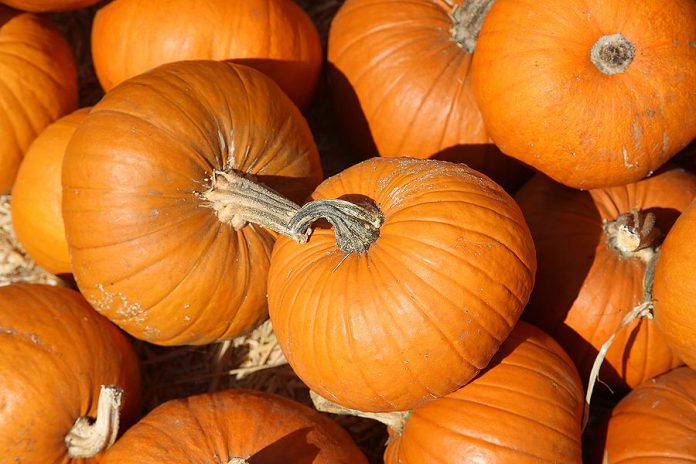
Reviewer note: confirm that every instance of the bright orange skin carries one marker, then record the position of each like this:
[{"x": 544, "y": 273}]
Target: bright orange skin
[
  {"x": 584, "y": 288},
  {"x": 402, "y": 85},
  {"x": 37, "y": 196},
  {"x": 55, "y": 354},
  {"x": 276, "y": 37},
  {"x": 38, "y": 84},
  {"x": 216, "y": 427},
  {"x": 545, "y": 103},
  {"x": 425, "y": 308},
  {"x": 675, "y": 287},
  {"x": 526, "y": 407},
  {"x": 655, "y": 423},
  {"x": 48, "y": 5},
  {"x": 146, "y": 252}
]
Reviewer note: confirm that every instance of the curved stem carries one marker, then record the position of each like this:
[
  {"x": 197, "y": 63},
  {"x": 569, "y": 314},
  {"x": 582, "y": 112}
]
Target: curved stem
[
  {"x": 612, "y": 54},
  {"x": 633, "y": 235},
  {"x": 88, "y": 437},
  {"x": 468, "y": 20}
]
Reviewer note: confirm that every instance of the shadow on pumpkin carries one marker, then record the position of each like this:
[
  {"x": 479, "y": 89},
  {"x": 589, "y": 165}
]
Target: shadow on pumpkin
[
  {"x": 293, "y": 448},
  {"x": 7, "y": 14},
  {"x": 296, "y": 189}
]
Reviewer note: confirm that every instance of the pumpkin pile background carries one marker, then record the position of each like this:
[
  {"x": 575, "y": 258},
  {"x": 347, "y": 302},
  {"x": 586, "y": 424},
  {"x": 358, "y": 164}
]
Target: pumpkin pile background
[{"x": 255, "y": 360}]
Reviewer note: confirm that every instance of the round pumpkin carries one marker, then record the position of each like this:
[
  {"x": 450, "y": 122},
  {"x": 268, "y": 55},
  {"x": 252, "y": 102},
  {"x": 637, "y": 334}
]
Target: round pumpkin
[
  {"x": 422, "y": 305},
  {"x": 38, "y": 84},
  {"x": 55, "y": 355},
  {"x": 526, "y": 407},
  {"x": 37, "y": 193},
  {"x": 586, "y": 283},
  {"x": 592, "y": 93},
  {"x": 276, "y": 37},
  {"x": 48, "y": 5},
  {"x": 400, "y": 75},
  {"x": 235, "y": 427},
  {"x": 675, "y": 287},
  {"x": 655, "y": 422},
  {"x": 149, "y": 249}
]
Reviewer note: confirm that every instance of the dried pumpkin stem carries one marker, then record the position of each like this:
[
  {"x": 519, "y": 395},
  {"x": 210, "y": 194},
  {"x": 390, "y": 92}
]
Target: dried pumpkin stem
[
  {"x": 238, "y": 461},
  {"x": 88, "y": 437},
  {"x": 633, "y": 235},
  {"x": 612, "y": 54},
  {"x": 468, "y": 20}
]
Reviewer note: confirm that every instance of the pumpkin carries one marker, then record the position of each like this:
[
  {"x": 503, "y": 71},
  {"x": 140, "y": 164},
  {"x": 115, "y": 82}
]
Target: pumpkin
[
  {"x": 48, "y": 5},
  {"x": 675, "y": 287},
  {"x": 591, "y": 93},
  {"x": 588, "y": 279},
  {"x": 655, "y": 422},
  {"x": 274, "y": 36},
  {"x": 413, "y": 60},
  {"x": 56, "y": 353},
  {"x": 424, "y": 274},
  {"x": 524, "y": 408},
  {"x": 37, "y": 193},
  {"x": 38, "y": 84},
  {"x": 235, "y": 427},
  {"x": 150, "y": 250}
]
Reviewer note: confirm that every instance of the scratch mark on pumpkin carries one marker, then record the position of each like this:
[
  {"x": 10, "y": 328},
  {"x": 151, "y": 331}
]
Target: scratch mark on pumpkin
[
  {"x": 636, "y": 134},
  {"x": 665, "y": 144},
  {"x": 625, "y": 159}
]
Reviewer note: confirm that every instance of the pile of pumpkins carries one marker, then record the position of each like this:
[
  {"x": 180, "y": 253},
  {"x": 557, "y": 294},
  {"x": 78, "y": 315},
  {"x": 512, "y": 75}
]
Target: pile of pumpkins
[{"x": 188, "y": 204}]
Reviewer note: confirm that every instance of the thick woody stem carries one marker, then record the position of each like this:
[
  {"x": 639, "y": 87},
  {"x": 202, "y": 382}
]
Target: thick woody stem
[
  {"x": 88, "y": 437},
  {"x": 468, "y": 19},
  {"x": 633, "y": 235},
  {"x": 612, "y": 54}
]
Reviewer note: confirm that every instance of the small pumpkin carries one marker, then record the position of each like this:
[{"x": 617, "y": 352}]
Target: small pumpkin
[
  {"x": 525, "y": 407},
  {"x": 276, "y": 37},
  {"x": 38, "y": 84},
  {"x": 235, "y": 427},
  {"x": 588, "y": 278},
  {"x": 424, "y": 274},
  {"x": 150, "y": 249},
  {"x": 56, "y": 353},
  {"x": 655, "y": 422},
  {"x": 48, "y": 5},
  {"x": 675, "y": 287},
  {"x": 591, "y": 93},
  {"x": 37, "y": 194}
]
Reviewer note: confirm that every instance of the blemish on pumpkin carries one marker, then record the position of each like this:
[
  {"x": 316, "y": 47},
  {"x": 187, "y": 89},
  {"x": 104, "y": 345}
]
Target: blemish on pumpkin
[
  {"x": 118, "y": 302},
  {"x": 665, "y": 143},
  {"x": 636, "y": 133},
  {"x": 625, "y": 159},
  {"x": 154, "y": 212},
  {"x": 693, "y": 43}
]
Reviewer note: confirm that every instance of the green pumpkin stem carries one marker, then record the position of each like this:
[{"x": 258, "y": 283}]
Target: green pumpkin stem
[{"x": 88, "y": 437}]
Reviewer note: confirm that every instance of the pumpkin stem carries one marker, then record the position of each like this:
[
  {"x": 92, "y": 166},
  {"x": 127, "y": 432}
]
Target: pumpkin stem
[
  {"x": 468, "y": 19},
  {"x": 394, "y": 420},
  {"x": 612, "y": 54},
  {"x": 633, "y": 235},
  {"x": 88, "y": 437},
  {"x": 238, "y": 461}
]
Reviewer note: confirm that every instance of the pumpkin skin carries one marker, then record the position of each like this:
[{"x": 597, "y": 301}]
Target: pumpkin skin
[
  {"x": 145, "y": 251},
  {"x": 220, "y": 426},
  {"x": 425, "y": 308},
  {"x": 36, "y": 197},
  {"x": 48, "y": 5},
  {"x": 389, "y": 57},
  {"x": 276, "y": 37},
  {"x": 675, "y": 288},
  {"x": 55, "y": 353},
  {"x": 526, "y": 407},
  {"x": 38, "y": 84},
  {"x": 532, "y": 71},
  {"x": 584, "y": 287},
  {"x": 655, "y": 422}
]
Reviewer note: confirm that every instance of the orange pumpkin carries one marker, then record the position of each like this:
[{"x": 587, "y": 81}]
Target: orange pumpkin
[
  {"x": 525, "y": 407},
  {"x": 593, "y": 93},
  {"x": 36, "y": 196},
  {"x": 655, "y": 422},
  {"x": 146, "y": 251},
  {"x": 587, "y": 281},
  {"x": 413, "y": 302},
  {"x": 274, "y": 36},
  {"x": 55, "y": 354},
  {"x": 675, "y": 287},
  {"x": 235, "y": 427},
  {"x": 38, "y": 84},
  {"x": 400, "y": 75},
  {"x": 48, "y": 5}
]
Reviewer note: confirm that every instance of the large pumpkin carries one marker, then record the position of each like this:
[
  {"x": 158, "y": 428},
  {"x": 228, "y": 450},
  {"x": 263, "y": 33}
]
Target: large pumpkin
[
  {"x": 48, "y": 5},
  {"x": 55, "y": 355},
  {"x": 411, "y": 304},
  {"x": 274, "y": 36},
  {"x": 235, "y": 427},
  {"x": 675, "y": 287},
  {"x": 593, "y": 93},
  {"x": 400, "y": 75},
  {"x": 36, "y": 197},
  {"x": 526, "y": 407},
  {"x": 38, "y": 84},
  {"x": 655, "y": 423},
  {"x": 150, "y": 250},
  {"x": 587, "y": 281}
]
